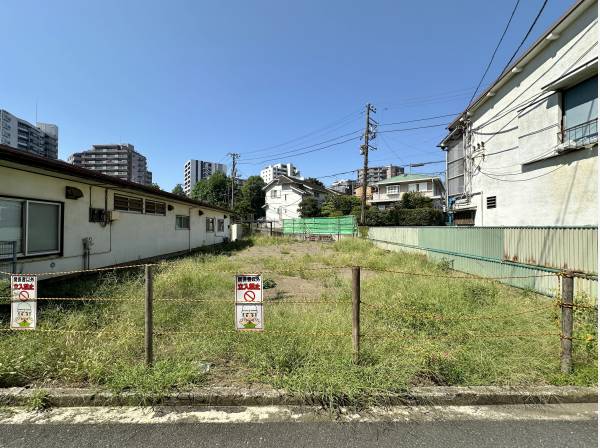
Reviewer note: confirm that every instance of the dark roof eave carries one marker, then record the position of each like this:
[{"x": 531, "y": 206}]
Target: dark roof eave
[{"x": 58, "y": 166}]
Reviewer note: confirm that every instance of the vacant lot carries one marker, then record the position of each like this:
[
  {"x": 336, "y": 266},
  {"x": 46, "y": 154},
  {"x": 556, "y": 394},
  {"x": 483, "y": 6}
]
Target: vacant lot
[{"x": 418, "y": 329}]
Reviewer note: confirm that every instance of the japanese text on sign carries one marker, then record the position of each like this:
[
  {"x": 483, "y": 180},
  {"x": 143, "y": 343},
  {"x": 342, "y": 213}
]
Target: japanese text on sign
[
  {"x": 248, "y": 302},
  {"x": 23, "y": 314}
]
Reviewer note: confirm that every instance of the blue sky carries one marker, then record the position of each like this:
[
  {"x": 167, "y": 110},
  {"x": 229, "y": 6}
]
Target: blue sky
[{"x": 191, "y": 79}]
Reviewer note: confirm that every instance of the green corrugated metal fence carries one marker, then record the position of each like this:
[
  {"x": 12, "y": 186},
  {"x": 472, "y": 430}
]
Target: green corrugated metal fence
[
  {"x": 342, "y": 225},
  {"x": 504, "y": 252}
]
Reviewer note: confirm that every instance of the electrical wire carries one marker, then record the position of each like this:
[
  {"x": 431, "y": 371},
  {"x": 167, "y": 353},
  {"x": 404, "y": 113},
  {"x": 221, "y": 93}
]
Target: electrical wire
[
  {"x": 494, "y": 53},
  {"x": 412, "y": 129},
  {"x": 419, "y": 119},
  {"x": 526, "y": 35},
  {"x": 521, "y": 180}
]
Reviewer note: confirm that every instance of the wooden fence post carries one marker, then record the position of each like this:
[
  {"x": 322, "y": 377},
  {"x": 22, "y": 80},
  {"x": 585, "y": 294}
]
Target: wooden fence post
[
  {"x": 566, "y": 338},
  {"x": 356, "y": 313},
  {"x": 148, "y": 318}
]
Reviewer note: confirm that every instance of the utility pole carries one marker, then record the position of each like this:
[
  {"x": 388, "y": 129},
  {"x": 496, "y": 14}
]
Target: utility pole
[
  {"x": 234, "y": 157},
  {"x": 364, "y": 150}
]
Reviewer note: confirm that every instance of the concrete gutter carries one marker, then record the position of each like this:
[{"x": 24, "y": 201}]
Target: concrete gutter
[{"x": 261, "y": 396}]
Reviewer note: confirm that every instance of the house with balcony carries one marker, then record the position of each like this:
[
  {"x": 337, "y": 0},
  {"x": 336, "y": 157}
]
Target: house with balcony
[
  {"x": 524, "y": 153},
  {"x": 389, "y": 191}
]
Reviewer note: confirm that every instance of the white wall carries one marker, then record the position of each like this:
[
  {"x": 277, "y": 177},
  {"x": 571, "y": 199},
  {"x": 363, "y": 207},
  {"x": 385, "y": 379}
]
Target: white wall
[
  {"x": 288, "y": 201},
  {"x": 132, "y": 237},
  {"x": 521, "y": 124}
]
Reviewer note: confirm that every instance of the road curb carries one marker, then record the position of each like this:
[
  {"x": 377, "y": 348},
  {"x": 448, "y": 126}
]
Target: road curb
[{"x": 234, "y": 396}]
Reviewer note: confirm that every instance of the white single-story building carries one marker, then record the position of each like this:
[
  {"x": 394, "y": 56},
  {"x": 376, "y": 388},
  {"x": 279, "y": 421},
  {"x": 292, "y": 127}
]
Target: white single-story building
[
  {"x": 390, "y": 191},
  {"x": 525, "y": 152},
  {"x": 64, "y": 218},
  {"x": 284, "y": 194}
]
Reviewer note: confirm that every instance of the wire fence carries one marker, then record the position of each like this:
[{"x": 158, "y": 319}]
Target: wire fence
[{"x": 563, "y": 308}]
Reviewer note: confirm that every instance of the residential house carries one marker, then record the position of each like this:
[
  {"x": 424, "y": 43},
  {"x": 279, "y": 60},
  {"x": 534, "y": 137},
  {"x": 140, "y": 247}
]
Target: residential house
[
  {"x": 284, "y": 194},
  {"x": 388, "y": 192},
  {"x": 524, "y": 153},
  {"x": 62, "y": 217}
]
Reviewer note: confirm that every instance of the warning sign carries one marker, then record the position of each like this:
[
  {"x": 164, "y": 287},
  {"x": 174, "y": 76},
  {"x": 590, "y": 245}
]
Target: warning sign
[
  {"x": 248, "y": 302},
  {"x": 248, "y": 288},
  {"x": 23, "y": 306}
]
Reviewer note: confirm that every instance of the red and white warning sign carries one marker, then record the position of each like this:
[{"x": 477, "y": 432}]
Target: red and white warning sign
[
  {"x": 248, "y": 302},
  {"x": 23, "y": 306}
]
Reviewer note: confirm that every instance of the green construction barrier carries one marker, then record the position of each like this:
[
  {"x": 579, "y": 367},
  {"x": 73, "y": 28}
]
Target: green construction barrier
[{"x": 342, "y": 225}]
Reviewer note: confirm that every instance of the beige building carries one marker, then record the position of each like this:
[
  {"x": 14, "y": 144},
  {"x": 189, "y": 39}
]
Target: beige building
[
  {"x": 387, "y": 192},
  {"x": 63, "y": 217}
]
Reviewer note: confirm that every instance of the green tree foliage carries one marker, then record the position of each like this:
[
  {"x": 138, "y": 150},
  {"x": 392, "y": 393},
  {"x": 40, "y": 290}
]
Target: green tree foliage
[
  {"x": 314, "y": 181},
  {"x": 178, "y": 190},
  {"x": 251, "y": 198},
  {"x": 309, "y": 207},
  {"x": 414, "y": 199},
  {"x": 339, "y": 205},
  {"x": 213, "y": 190},
  {"x": 155, "y": 185}
]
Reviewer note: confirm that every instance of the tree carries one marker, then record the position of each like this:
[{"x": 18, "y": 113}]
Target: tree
[
  {"x": 213, "y": 190},
  {"x": 251, "y": 198},
  {"x": 339, "y": 205},
  {"x": 309, "y": 207},
  {"x": 155, "y": 185},
  {"x": 314, "y": 181},
  {"x": 414, "y": 199},
  {"x": 178, "y": 190}
]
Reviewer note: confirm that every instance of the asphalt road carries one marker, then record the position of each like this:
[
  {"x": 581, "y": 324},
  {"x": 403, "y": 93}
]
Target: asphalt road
[{"x": 282, "y": 435}]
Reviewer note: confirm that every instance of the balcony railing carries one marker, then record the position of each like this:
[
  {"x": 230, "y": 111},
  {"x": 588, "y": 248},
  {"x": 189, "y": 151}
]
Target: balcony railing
[{"x": 580, "y": 135}]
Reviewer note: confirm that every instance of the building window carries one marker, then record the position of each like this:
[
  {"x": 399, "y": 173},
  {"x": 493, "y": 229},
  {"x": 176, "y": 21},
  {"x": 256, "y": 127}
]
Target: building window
[
  {"x": 580, "y": 113},
  {"x": 275, "y": 194},
  {"x": 220, "y": 225},
  {"x": 491, "y": 201},
  {"x": 155, "y": 208},
  {"x": 392, "y": 189},
  {"x": 210, "y": 224},
  {"x": 413, "y": 187},
  {"x": 129, "y": 204},
  {"x": 182, "y": 222},
  {"x": 36, "y": 226}
]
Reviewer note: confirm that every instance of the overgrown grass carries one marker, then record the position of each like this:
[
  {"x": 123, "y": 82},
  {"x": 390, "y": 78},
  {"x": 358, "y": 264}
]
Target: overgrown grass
[{"x": 417, "y": 330}]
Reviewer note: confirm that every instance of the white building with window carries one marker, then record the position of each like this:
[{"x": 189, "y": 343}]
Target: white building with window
[
  {"x": 63, "y": 217},
  {"x": 196, "y": 170},
  {"x": 387, "y": 192},
  {"x": 284, "y": 194},
  {"x": 525, "y": 152},
  {"x": 272, "y": 172}
]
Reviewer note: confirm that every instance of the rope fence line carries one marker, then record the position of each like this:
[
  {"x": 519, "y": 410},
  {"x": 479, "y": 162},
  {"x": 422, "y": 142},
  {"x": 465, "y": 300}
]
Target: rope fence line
[
  {"x": 283, "y": 271},
  {"x": 460, "y": 318}
]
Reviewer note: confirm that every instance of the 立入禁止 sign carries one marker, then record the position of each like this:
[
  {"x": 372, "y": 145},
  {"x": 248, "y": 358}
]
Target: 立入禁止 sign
[
  {"x": 23, "y": 302},
  {"x": 248, "y": 302}
]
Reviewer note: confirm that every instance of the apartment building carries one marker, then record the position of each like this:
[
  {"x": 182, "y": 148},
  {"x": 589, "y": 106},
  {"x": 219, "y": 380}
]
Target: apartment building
[
  {"x": 272, "y": 172},
  {"x": 118, "y": 160},
  {"x": 525, "y": 151},
  {"x": 196, "y": 170},
  {"x": 41, "y": 140},
  {"x": 344, "y": 186},
  {"x": 390, "y": 191},
  {"x": 379, "y": 173}
]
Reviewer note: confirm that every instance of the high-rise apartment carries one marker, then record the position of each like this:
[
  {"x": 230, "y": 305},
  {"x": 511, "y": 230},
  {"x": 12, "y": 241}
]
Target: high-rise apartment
[
  {"x": 119, "y": 160},
  {"x": 41, "y": 140},
  {"x": 196, "y": 170},
  {"x": 272, "y": 172},
  {"x": 379, "y": 173}
]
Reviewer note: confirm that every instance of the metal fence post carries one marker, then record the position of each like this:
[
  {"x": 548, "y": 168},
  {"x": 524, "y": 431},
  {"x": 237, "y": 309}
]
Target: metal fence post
[
  {"x": 356, "y": 313},
  {"x": 148, "y": 317},
  {"x": 14, "y": 257},
  {"x": 566, "y": 337}
]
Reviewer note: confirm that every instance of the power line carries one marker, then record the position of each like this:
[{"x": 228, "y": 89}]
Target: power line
[
  {"x": 494, "y": 53},
  {"x": 522, "y": 180},
  {"x": 291, "y": 151},
  {"x": 413, "y": 128},
  {"x": 302, "y": 153},
  {"x": 344, "y": 120},
  {"x": 419, "y": 119},
  {"x": 526, "y": 35}
]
